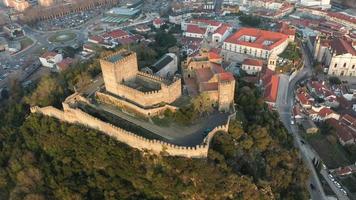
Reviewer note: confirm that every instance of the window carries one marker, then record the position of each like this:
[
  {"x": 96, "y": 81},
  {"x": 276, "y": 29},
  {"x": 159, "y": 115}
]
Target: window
[
  {"x": 344, "y": 64},
  {"x": 335, "y": 65},
  {"x": 353, "y": 66}
]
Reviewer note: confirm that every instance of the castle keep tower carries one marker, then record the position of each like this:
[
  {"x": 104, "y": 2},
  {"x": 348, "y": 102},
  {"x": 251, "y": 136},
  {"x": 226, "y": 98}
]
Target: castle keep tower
[
  {"x": 226, "y": 88},
  {"x": 118, "y": 68}
]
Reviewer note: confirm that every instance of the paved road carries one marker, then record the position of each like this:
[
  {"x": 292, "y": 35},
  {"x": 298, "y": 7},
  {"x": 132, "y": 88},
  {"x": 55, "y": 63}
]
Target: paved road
[
  {"x": 174, "y": 133},
  {"x": 284, "y": 106}
]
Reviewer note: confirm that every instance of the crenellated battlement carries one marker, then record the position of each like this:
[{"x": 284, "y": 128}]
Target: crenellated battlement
[
  {"x": 155, "y": 146},
  {"x": 121, "y": 56},
  {"x": 152, "y": 77}
]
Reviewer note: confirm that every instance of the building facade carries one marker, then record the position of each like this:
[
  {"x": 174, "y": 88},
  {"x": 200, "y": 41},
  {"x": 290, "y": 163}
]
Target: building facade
[{"x": 256, "y": 43}]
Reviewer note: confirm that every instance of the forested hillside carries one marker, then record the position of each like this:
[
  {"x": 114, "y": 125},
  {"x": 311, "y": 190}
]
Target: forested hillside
[{"x": 42, "y": 158}]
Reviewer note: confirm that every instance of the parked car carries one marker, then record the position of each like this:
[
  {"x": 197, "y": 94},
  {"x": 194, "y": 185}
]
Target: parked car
[
  {"x": 343, "y": 191},
  {"x": 312, "y": 186},
  {"x": 337, "y": 184}
]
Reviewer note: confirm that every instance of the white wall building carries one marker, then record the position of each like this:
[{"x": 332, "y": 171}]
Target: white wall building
[
  {"x": 51, "y": 59},
  {"x": 165, "y": 67},
  {"x": 252, "y": 66},
  {"x": 256, "y": 43},
  {"x": 337, "y": 55},
  {"x": 316, "y": 3}
]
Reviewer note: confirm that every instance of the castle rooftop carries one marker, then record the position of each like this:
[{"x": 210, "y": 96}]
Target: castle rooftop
[{"x": 113, "y": 58}]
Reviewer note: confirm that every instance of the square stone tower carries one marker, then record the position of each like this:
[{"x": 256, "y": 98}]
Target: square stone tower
[
  {"x": 226, "y": 91},
  {"x": 118, "y": 68}
]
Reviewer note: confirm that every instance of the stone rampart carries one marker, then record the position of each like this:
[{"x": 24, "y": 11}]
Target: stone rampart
[
  {"x": 77, "y": 116},
  {"x": 125, "y": 105},
  {"x": 167, "y": 94}
]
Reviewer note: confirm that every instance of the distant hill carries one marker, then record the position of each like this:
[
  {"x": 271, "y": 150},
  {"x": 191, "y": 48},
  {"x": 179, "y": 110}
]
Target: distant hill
[{"x": 348, "y": 3}]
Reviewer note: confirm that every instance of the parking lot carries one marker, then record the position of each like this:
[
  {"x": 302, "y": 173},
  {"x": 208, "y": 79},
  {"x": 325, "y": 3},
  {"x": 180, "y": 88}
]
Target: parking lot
[{"x": 68, "y": 21}]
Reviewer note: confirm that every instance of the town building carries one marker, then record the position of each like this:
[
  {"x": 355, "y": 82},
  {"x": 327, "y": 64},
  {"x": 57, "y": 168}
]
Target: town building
[
  {"x": 256, "y": 42},
  {"x": 13, "y": 30},
  {"x": 309, "y": 126},
  {"x": 252, "y": 66},
  {"x": 158, "y": 23},
  {"x": 203, "y": 74},
  {"x": 221, "y": 33},
  {"x": 50, "y": 59},
  {"x": 324, "y": 4},
  {"x": 270, "y": 85},
  {"x": 338, "y": 56},
  {"x": 345, "y": 129},
  {"x": 165, "y": 67}
]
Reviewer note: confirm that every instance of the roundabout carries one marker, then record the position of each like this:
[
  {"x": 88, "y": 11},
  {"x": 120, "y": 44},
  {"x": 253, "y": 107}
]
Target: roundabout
[{"x": 62, "y": 37}]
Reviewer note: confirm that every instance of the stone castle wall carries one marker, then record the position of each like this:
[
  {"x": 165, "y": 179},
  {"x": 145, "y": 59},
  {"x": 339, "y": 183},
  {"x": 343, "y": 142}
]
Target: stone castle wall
[
  {"x": 167, "y": 94},
  {"x": 127, "y": 106},
  {"x": 71, "y": 115}
]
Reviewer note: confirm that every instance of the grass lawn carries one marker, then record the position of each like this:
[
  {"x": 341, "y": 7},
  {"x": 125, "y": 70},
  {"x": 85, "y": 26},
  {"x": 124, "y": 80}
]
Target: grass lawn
[
  {"x": 62, "y": 37},
  {"x": 25, "y": 42},
  {"x": 332, "y": 155}
]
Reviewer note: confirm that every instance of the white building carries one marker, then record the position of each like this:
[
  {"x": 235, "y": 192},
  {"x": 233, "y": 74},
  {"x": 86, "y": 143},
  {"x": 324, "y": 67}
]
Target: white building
[
  {"x": 337, "y": 55},
  {"x": 252, "y": 66},
  {"x": 256, "y": 43},
  {"x": 222, "y": 33},
  {"x": 234, "y": 2},
  {"x": 316, "y": 3},
  {"x": 195, "y": 31},
  {"x": 165, "y": 67},
  {"x": 51, "y": 59}
]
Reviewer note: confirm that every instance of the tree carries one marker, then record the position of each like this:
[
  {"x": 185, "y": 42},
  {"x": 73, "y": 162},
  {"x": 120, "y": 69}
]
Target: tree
[
  {"x": 202, "y": 104},
  {"x": 249, "y": 20},
  {"x": 48, "y": 92},
  {"x": 334, "y": 80}
]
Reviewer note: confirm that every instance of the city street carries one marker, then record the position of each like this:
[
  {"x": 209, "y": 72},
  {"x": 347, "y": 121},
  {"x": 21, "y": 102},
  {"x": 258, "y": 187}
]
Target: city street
[{"x": 284, "y": 106}]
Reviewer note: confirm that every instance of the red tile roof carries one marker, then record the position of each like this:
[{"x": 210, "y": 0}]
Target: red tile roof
[
  {"x": 96, "y": 38},
  {"x": 195, "y": 29},
  {"x": 206, "y": 21},
  {"x": 226, "y": 76},
  {"x": 342, "y": 17},
  {"x": 252, "y": 62},
  {"x": 214, "y": 54},
  {"x": 349, "y": 120},
  {"x": 271, "y": 90},
  {"x": 343, "y": 132},
  {"x": 65, "y": 63},
  {"x": 222, "y": 29},
  {"x": 116, "y": 34},
  {"x": 261, "y": 36},
  {"x": 158, "y": 21},
  {"x": 324, "y": 112},
  {"x": 304, "y": 98},
  {"x": 49, "y": 54},
  {"x": 342, "y": 47}
]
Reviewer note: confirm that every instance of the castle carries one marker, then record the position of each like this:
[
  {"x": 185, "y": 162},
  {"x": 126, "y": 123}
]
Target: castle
[
  {"x": 203, "y": 74},
  {"x": 142, "y": 92},
  {"x": 131, "y": 90}
]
